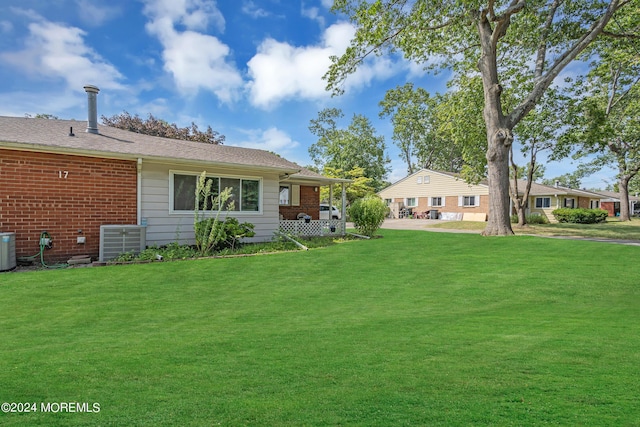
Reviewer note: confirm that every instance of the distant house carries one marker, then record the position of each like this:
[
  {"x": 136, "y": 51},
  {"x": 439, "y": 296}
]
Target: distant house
[
  {"x": 611, "y": 203},
  {"x": 69, "y": 178},
  {"x": 427, "y": 193},
  {"x": 544, "y": 199}
]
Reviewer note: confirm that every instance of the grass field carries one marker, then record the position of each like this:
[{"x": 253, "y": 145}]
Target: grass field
[
  {"x": 611, "y": 229},
  {"x": 414, "y": 328}
]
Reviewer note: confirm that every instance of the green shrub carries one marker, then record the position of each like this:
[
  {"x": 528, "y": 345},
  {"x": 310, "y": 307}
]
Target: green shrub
[
  {"x": 531, "y": 219},
  {"x": 580, "y": 216},
  {"x": 368, "y": 214},
  {"x": 227, "y": 233},
  {"x": 207, "y": 237}
]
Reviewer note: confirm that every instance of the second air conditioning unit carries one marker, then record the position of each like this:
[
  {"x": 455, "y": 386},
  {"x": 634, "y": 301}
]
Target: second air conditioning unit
[{"x": 118, "y": 239}]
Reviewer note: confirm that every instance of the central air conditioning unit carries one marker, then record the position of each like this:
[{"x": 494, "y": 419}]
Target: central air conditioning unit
[
  {"x": 118, "y": 239},
  {"x": 7, "y": 251}
]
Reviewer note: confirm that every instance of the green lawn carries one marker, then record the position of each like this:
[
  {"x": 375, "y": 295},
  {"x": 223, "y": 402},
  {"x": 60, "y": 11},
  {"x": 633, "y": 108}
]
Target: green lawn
[
  {"x": 611, "y": 229},
  {"x": 415, "y": 328}
]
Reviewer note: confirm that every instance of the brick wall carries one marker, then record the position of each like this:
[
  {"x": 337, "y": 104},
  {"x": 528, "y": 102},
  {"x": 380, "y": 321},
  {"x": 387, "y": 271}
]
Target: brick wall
[
  {"x": 609, "y": 207},
  {"x": 62, "y": 194},
  {"x": 451, "y": 205},
  {"x": 583, "y": 202},
  {"x": 309, "y": 204}
]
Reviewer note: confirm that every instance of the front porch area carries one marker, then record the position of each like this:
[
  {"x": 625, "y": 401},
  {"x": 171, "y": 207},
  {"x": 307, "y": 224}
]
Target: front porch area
[{"x": 300, "y": 205}]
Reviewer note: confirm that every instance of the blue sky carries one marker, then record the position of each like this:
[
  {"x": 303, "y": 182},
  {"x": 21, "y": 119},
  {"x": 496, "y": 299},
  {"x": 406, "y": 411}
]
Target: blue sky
[{"x": 251, "y": 69}]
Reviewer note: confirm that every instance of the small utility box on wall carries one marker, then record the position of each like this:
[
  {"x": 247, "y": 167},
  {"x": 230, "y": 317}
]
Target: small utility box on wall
[
  {"x": 118, "y": 239},
  {"x": 7, "y": 251}
]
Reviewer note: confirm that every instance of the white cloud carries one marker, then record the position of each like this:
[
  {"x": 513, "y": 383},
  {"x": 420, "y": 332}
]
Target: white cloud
[
  {"x": 191, "y": 14},
  {"x": 198, "y": 61},
  {"x": 55, "y": 51},
  {"x": 280, "y": 71},
  {"x": 94, "y": 15},
  {"x": 272, "y": 139},
  {"x": 194, "y": 59},
  {"x": 251, "y": 9},
  {"x": 313, "y": 13}
]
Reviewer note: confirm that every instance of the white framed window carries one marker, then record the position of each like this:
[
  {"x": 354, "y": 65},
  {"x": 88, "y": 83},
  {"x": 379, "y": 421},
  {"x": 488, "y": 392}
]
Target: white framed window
[
  {"x": 411, "y": 202},
  {"x": 569, "y": 202},
  {"x": 435, "y": 201},
  {"x": 469, "y": 201},
  {"x": 419, "y": 180},
  {"x": 426, "y": 179},
  {"x": 284, "y": 195},
  {"x": 595, "y": 204},
  {"x": 543, "y": 202},
  {"x": 388, "y": 202},
  {"x": 246, "y": 193}
]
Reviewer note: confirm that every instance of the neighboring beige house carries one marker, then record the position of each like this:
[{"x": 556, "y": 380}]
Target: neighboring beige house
[
  {"x": 423, "y": 193},
  {"x": 420, "y": 194}
]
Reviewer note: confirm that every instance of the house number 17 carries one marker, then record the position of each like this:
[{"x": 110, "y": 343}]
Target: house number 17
[{"x": 63, "y": 174}]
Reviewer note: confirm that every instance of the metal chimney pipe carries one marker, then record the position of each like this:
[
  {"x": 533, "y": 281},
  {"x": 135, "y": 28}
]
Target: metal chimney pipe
[{"x": 92, "y": 92}]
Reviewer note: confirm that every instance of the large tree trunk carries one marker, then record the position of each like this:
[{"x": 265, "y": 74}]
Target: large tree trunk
[
  {"x": 623, "y": 187},
  {"x": 499, "y": 140}
]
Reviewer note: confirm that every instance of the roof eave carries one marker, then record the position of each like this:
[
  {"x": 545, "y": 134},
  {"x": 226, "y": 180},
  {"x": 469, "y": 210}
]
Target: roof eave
[{"x": 39, "y": 148}]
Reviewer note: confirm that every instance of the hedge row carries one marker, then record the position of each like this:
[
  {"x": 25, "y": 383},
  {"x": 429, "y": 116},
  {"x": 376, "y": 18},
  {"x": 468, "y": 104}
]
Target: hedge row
[{"x": 580, "y": 216}]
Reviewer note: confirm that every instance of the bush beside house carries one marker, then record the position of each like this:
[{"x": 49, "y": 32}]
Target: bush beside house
[
  {"x": 368, "y": 214},
  {"x": 580, "y": 216}
]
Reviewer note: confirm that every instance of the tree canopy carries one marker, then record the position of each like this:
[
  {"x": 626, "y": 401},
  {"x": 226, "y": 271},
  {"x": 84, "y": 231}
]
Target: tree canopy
[
  {"x": 158, "y": 127},
  {"x": 346, "y": 149},
  {"x": 605, "y": 106},
  {"x": 416, "y": 130}
]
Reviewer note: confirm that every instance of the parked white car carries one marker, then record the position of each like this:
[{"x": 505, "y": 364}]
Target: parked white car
[{"x": 324, "y": 212}]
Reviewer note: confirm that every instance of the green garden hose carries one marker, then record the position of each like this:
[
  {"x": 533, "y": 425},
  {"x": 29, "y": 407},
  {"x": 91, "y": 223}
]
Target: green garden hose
[{"x": 44, "y": 235}]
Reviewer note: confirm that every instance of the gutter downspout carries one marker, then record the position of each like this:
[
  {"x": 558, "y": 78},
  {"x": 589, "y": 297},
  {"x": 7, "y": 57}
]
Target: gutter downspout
[
  {"x": 139, "y": 192},
  {"x": 344, "y": 209}
]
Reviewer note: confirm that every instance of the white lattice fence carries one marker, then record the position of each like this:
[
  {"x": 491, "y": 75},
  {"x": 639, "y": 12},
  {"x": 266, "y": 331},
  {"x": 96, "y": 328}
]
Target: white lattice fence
[{"x": 312, "y": 228}]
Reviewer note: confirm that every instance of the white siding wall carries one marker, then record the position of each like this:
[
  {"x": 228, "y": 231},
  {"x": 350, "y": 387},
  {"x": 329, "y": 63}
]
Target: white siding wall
[
  {"x": 555, "y": 203},
  {"x": 438, "y": 185},
  {"x": 165, "y": 227}
]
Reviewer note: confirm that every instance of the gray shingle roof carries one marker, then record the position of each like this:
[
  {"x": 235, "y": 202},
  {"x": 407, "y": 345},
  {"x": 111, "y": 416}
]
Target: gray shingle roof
[
  {"x": 53, "y": 136},
  {"x": 548, "y": 190},
  {"x": 309, "y": 175},
  {"x": 616, "y": 196}
]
